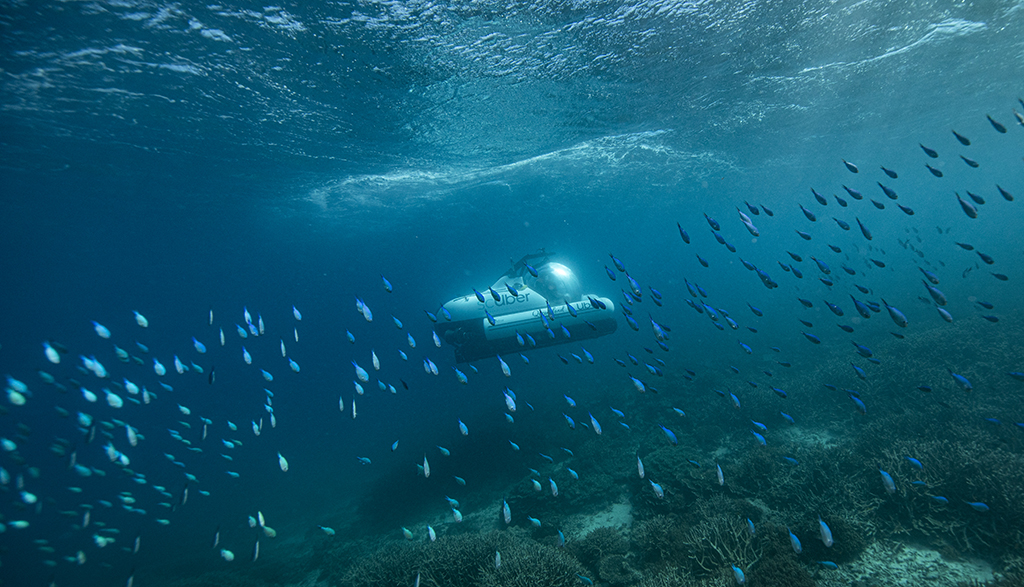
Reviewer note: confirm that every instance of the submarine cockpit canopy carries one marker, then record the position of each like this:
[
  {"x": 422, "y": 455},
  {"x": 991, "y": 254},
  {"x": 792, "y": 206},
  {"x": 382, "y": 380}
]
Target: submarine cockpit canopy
[{"x": 555, "y": 282}]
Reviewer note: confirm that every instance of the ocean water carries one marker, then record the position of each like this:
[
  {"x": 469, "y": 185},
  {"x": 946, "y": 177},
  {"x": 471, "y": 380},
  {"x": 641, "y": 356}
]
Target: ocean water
[{"x": 191, "y": 162}]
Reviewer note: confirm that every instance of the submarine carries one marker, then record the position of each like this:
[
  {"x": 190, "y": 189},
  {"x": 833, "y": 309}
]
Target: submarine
[{"x": 526, "y": 308}]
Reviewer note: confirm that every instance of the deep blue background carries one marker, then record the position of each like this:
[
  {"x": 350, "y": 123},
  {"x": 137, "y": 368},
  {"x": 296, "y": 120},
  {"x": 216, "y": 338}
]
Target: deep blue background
[{"x": 173, "y": 159}]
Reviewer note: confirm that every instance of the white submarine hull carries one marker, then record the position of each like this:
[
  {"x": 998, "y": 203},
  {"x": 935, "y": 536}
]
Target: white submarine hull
[{"x": 474, "y": 337}]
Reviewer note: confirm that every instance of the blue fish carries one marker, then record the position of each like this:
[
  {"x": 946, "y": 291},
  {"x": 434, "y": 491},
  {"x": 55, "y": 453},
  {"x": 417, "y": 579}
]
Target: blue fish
[
  {"x": 863, "y": 409},
  {"x": 634, "y": 287},
  {"x": 683, "y": 234},
  {"x": 811, "y": 338},
  {"x": 618, "y": 264},
  {"x": 940, "y": 499},
  {"x": 794, "y": 542},
  {"x": 671, "y": 435},
  {"x": 835, "y": 309},
  {"x": 760, "y": 439},
  {"x": 887, "y": 482},
  {"x": 962, "y": 381},
  {"x": 977, "y": 506},
  {"x": 916, "y": 463},
  {"x": 714, "y": 223},
  {"x": 611, "y": 274},
  {"x": 829, "y": 565},
  {"x": 750, "y": 527},
  {"x": 826, "y": 533},
  {"x": 842, "y": 224},
  {"x": 822, "y": 265},
  {"x": 896, "y": 315},
  {"x": 737, "y": 574},
  {"x": 632, "y": 323},
  {"x": 787, "y": 417},
  {"x": 862, "y": 350}
]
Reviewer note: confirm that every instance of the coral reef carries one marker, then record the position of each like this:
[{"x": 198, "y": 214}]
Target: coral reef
[
  {"x": 467, "y": 560},
  {"x": 714, "y": 538},
  {"x": 599, "y": 543}
]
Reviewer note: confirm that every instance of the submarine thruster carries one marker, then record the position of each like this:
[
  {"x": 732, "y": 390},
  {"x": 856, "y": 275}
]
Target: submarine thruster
[{"x": 527, "y": 303}]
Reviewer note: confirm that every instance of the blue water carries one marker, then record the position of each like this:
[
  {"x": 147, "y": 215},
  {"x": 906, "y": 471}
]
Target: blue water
[{"x": 180, "y": 159}]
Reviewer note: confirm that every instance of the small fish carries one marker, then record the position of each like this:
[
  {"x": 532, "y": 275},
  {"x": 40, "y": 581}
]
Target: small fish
[
  {"x": 853, "y": 168},
  {"x": 887, "y": 482},
  {"x": 826, "y": 532},
  {"x": 961, "y": 381},
  {"x": 569, "y": 421},
  {"x": 864, "y": 229},
  {"x": 658, "y": 491},
  {"x": 683, "y": 234},
  {"x": 967, "y": 207},
  {"x": 896, "y": 315},
  {"x": 670, "y": 435},
  {"x": 977, "y": 506},
  {"x": 738, "y": 575},
  {"x": 829, "y": 565},
  {"x": 1006, "y": 195},
  {"x": 794, "y": 541}
]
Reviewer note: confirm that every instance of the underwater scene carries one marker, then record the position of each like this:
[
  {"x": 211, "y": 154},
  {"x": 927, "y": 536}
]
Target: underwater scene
[{"x": 649, "y": 293}]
